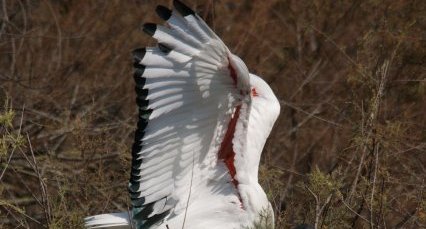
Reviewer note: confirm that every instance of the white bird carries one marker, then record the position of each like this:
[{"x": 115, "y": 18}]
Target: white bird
[{"x": 203, "y": 122}]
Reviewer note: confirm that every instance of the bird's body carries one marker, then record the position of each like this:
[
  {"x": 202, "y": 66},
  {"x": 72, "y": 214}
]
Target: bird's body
[{"x": 204, "y": 120}]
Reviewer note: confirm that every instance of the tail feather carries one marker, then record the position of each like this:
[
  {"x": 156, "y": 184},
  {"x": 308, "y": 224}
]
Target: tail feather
[{"x": 119, "y": 220}]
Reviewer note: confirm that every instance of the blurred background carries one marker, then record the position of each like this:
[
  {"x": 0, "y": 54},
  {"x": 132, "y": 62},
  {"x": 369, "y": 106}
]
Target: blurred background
[{"x": 348, "y": 150}]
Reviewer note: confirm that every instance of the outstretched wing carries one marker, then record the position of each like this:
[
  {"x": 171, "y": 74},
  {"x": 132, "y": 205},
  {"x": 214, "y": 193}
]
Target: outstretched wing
[{"x": 191, "y": 90}]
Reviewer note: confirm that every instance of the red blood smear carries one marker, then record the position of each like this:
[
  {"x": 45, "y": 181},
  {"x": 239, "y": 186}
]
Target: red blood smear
[
  {"x": 226, "y": 152},
  {"x": 254, "y": 92}
]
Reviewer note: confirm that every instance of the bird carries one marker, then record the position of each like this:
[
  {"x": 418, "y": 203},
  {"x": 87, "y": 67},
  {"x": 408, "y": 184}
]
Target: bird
[{"x": 203, "y": 122}]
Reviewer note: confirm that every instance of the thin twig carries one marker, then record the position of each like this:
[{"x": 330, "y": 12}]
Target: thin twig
[
  {"x": 353, "y": 211},
  {"x": 310, "y": 113},
  {"x": 59, "y": 31},
  {"x": 7, "y": 163},
  {"x": 43, "y": 186},
  {"x": 318, "y": 208}
]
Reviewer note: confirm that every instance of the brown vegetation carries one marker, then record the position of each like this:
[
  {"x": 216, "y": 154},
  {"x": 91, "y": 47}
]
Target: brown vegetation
[{"x": 348, "y": 150}]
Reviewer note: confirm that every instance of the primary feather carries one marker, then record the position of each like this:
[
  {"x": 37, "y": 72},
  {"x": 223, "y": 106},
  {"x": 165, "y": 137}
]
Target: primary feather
[{"x": 203, "y": 122}]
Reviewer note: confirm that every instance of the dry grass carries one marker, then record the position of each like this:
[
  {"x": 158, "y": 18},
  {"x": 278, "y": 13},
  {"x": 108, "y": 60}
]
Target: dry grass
[{"x": 348, "y": 150}]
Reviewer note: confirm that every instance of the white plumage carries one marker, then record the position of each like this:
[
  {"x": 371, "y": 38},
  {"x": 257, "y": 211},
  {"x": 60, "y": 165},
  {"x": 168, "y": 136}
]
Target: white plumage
[{"x": 203, "y": 122}]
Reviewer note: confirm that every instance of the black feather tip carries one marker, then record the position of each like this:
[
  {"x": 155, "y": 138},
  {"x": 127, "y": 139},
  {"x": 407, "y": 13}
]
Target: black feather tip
[
  {"x": 140, "y": 81},
  {"x": 138, "y": 54},
  {"x": 163, "y": 12},
  {"x": 139, "y": 69},
  {"x": 149, "y": 28},
  {"x": 164, "y": 48},
  {"x": 182, "y": 8}
]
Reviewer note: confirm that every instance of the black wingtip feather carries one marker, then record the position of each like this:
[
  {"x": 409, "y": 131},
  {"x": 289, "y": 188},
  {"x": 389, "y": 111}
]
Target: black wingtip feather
[
  {"x": 138, "y": 72},
  {"x": 149, "y": 28},
  {"x": 141, "y": 92},
  {"x": 163, "y": 12},
  {"x": 140, "y": 81},
  {"x": 137, "y": 65},
  {"x": 155, "y": 219},
  {"x": 137, "y": 202},
  {"x": 133, "y": 194},
  {"x": 136, "y": 164},
  {"x": 138, "y": 54},
  {"x": 142, "y": 124},
  {"x": 135, "y": 175},
  {"x": 145, "y": 113},
  {"x": 139, "y": 135},
  {"x": 144, "y": 213},
  {"x": 142, "y": 102},
  {"x": 136, "y": 148},
  {"x": 182, "y": 8},
  {"x": 164, "y": 48},
  {"x": 134, "y": 187}
]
